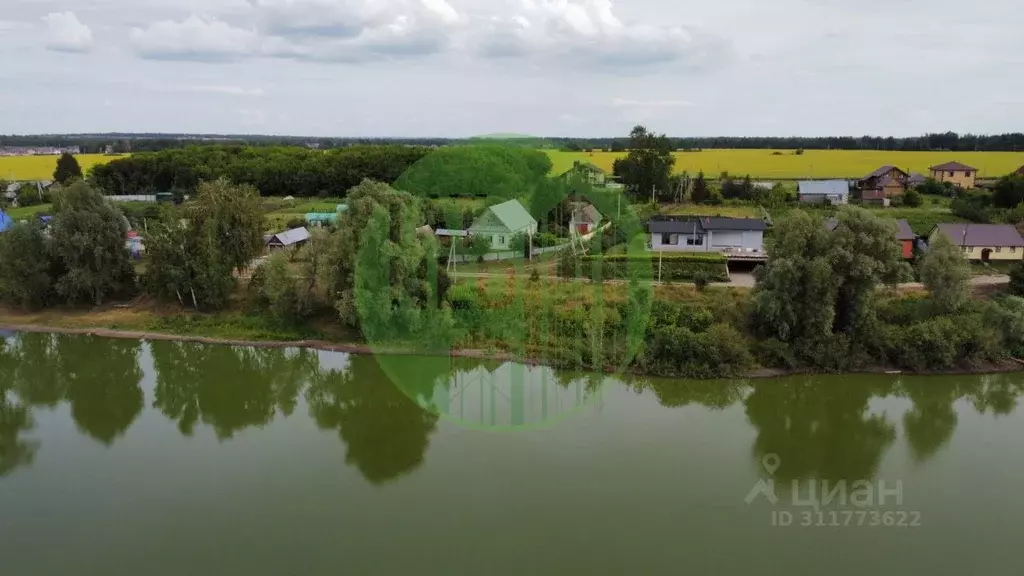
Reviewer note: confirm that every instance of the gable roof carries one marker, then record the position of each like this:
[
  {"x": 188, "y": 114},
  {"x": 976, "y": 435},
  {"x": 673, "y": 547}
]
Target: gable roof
[
  {"x": 917, "y": 178},
  {"x": 888, "y": 180},
  {"x": 585, "y": 212},
  {"x": 824, "y": 187},
  {"x": 953, "y": 167},
  {"x": 884, "y": 170},
  {"x": 903, "y": 231},
  {"x": 512, "y": 215},
  {"x": 982, "y": 234},
  {"x": 706, "y": 224},
  {"x": 291, "y": 237}
]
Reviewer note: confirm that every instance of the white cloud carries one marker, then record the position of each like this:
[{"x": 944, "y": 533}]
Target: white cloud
[
  {"x": 626, "y": 103},
  {"x": 65, "y": 33},
  {"x": 229, "y": 90},
  {"x": 199, "y": 38},
  {"x": 589, "y": 32}
]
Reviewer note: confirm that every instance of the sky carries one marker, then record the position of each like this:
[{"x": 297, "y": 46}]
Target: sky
[{"x": 457, "y": 68}]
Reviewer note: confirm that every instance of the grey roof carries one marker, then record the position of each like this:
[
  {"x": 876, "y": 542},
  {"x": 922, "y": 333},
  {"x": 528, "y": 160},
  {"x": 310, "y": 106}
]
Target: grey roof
[
  {"x": 675, "y": 227},
  {"x": 903, "y": 231},
  {"x": 447, "y": 232},
  {"x": 291, "y": 237},
  {"x": 824, "y": 187},
  {"x": 917, "y": 178},
  {"x": 954, "y": 167},
  {"x": 584, "y": 212},
  {"x": 982, "y": 234},
  {"x": 699, "y": 226}
]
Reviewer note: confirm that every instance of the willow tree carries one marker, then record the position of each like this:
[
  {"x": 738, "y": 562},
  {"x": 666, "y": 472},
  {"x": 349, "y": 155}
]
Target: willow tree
[
  {"x": 88, "y": 239},
  {"x": 819, "y": 281}
]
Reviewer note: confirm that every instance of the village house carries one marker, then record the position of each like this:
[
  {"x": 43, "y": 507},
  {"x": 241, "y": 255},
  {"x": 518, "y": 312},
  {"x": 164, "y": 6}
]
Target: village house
[
  {"x": 821, "y": 191},
  {"x": 916, "y": 179},
  {"x": 738, "y": 235},
  {"x": 588, "y": 171},
  {"x": 882, "y": 185},
  {"x": 503, "y": 221},
  {"x": 983, "y": 242},
  {"x": 288, "y": 238},
  {"x": 904, "y": 235},
  {"x": 955, "y": 173},
  {"x": 585, "y": 218}
]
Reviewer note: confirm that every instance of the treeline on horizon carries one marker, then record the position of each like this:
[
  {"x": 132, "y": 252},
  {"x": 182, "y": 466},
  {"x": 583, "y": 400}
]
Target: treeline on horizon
[
  {"x": 481, "y": 171},
  {"x": 129, "y": 143}
]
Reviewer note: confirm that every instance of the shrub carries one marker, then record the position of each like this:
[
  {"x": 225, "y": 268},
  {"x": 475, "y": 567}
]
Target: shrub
[
  {"x": 912, "y": 198},
  {"x": 701, "y": 280},
  {"x": 674, "y": 267},
  {"x": 296, "y": 223}
]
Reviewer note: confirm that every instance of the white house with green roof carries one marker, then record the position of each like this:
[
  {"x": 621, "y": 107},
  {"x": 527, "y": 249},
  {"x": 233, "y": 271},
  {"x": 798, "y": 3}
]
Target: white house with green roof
[{"x": 503, "y": 221}]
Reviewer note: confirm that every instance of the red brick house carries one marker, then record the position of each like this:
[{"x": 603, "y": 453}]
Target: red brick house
[{"x": 883, "y": 184}]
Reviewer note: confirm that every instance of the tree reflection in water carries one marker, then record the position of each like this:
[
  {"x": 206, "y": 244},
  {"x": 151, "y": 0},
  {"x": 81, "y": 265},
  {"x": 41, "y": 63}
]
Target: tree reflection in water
[{"x": 385, "y": 432}]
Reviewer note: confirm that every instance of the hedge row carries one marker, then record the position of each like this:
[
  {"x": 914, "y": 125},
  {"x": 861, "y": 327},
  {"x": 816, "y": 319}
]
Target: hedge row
[{"x": 675, "y": 267}]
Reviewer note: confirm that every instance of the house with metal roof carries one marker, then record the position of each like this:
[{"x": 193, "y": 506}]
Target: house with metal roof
[
  {"x": 956, "y": 173},
  {"x": 293, "y": 237},
  {"x": 819, "y": 191},
  {"x": 503, "y": 221},
  {"x": 916, "y": 179},
  {"x": 732, "y": 235},
  {"x": 585, "y": 217},
  {"x": 983, "y": 242}
]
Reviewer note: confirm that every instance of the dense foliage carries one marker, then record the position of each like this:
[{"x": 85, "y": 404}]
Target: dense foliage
[
  {"x": 67, "y": 169},
  {"x": 647, "y": 167},
  {"x": 274, "y": 171},
  {"x": 483, "y": 171}
]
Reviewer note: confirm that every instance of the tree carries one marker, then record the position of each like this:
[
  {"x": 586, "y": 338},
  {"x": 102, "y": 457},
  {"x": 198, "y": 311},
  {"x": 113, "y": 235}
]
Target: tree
[
  {"x": 646, "y": 168},
  {"x": 946, "y": 274},
  {"x": 700, "y": 193},
  {"x": 816, "y": 290},
  {"x": 1017, "y": 279},
  {"x": 67, "y": 169},
  {"x": 231, "y": 215},
  {"x": 376, "y": 255},
  {"x": 88, "y": 235},
  {"x": 1008, "y": 192},
  {"x": 286, "y": 302},
  {"x": 912, "y": 198},
  {"x": 480, "y": 246},
  {"x": 26, "y": 268}
]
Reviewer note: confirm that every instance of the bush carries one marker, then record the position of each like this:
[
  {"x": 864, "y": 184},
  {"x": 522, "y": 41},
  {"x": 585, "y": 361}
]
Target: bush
[
  {"x": 1017, "y": 279},
  {"x": 674, "y": 267},
  {"x": 912, "y": 198},
  {"x": 296, "y": 223},
  {"x": 701, "y": 280}
]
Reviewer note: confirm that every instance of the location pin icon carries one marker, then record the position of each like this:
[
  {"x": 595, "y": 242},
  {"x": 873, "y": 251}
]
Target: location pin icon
[{"x": 771, "y": 463}]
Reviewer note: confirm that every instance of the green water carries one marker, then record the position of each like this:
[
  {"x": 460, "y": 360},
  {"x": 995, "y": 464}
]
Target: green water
[{"x": 122, "y": 457}]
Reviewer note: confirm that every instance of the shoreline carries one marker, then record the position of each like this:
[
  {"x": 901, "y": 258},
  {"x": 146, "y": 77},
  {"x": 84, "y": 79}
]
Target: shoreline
[{"x": 1007, "y": 366}]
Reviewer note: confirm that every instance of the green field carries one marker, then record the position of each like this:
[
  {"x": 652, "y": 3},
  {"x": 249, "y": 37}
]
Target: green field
[
  {"x": 41, "y": 167},
  {"x": 811, "y": 164}
]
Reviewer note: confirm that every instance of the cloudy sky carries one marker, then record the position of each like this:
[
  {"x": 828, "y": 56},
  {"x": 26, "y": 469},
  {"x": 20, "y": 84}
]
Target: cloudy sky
[{"x": 546, "y": 67}]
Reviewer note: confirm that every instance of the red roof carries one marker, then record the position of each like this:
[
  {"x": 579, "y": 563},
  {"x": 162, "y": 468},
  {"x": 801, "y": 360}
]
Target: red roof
[{"x": 954, "y": 167}]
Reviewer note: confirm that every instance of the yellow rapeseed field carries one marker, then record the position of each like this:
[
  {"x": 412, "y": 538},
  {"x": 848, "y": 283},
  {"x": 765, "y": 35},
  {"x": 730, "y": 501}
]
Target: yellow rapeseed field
[
  {"x": 811, "y": 164},
  {"x": 41, "y": 167}
]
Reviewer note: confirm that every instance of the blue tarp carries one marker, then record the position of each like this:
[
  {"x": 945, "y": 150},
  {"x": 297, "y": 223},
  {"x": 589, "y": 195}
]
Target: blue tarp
[{"x": 5, "y": 221}]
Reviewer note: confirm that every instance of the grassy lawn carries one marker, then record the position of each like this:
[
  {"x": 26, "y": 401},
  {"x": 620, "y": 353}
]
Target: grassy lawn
[
  {"x": 705, "y": 210},
  {"x": 992, "y": 268},
  {"x": 28, "y": 212},
  {"x": 812, "y": 164}
]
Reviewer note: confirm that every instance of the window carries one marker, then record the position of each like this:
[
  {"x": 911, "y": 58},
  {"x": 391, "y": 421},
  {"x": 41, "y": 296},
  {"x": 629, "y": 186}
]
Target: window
[
  {"x": 664, "y": 238},
  {"x": 999, "y": 249},
  {"x": 501, "y": 240},
  {"x": 1013, "y": 249},
  {"x": 950, "y": 174},
  {"x": 968, "y": 174}
]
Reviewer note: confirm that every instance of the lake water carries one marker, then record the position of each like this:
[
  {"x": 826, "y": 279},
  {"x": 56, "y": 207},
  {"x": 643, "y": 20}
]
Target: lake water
[{"x": 124, "y": 457}]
